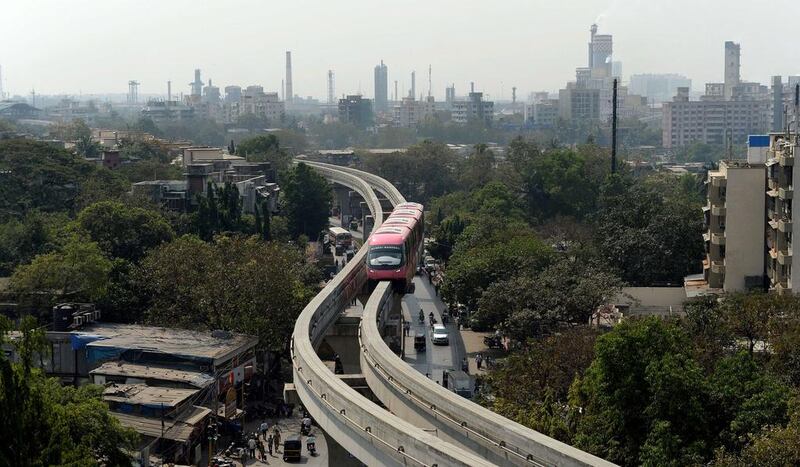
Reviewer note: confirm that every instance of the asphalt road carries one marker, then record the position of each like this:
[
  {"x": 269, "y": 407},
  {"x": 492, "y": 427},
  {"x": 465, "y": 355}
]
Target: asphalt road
[{"x": 435, "y": 358}]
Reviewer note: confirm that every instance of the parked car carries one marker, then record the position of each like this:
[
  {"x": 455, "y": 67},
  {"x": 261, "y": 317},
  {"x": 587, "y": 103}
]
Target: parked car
[{"x": 440, "y": 335}]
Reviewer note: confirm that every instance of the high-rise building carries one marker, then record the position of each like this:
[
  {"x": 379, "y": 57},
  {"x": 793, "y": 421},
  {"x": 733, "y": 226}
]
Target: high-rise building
[
  {"x": 381, "y": 88},
  {"x": 732, "y": 67},
  {"x": 600, "y": 53},
  {"x": 450, "y": 95},
  {"x": 288, "y": 93}
]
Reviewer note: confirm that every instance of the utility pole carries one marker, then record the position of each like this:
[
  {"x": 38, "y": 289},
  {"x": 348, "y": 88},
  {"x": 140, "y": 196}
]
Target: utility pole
[{"x": 614, "y": 128}]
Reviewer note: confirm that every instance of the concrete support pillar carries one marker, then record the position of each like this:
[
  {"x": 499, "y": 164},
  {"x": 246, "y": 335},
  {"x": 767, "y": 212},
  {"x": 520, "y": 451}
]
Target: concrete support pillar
[
  {"x": 343, "y": 200},
  {"x": 356, "y": 205},
  {"x": 369, "y": 223}
]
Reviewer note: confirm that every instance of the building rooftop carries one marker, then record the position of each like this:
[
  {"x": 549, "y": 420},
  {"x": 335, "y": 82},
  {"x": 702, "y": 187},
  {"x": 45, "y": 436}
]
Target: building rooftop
[
  {"x": 147, "y": 372},
  {"x": 178, "y": 430},
  {"x": 110, "y": 340},
  {"x": 147, "y": 396}
]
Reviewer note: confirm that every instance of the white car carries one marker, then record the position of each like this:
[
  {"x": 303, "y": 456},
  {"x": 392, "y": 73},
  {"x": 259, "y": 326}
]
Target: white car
[{"x": 440, "y": 335}]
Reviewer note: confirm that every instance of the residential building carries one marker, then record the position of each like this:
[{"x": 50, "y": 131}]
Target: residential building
[
  {"x": 781, "y": 179},
  {"x": 578, "y": 103},
  {"x": 473, "y": 109},
  {"x": 712, "y": 121},
  {"x": 356, "y": 110},
  {"x": 262, "y": 104},
  {"x": 734, "y": 238},
  {"x": 727, "y": 113},
  {"x": 411, "y": 112},
  {"x": 545, "y": 113},
  {"x": 161, "y": 111},
  {"x": 381, "y": 88}
]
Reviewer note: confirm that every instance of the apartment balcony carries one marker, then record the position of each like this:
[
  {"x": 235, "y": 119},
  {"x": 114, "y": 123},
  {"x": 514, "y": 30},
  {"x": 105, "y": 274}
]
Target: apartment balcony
[
  {"x": 717, "y": 238},
  {"x": 785, "y": 159},
  {"x": 719, "y": 181},
  {"x": 786, "y": 193},
  {"x": 718, "y": 267},
  {"x": 784, "y": 258},
  {"x": 785, "y": 225},
  {"x": 782, "y": 288},
  {"x": 772, "y": 184},
  {"x": 717, "y": 210}
]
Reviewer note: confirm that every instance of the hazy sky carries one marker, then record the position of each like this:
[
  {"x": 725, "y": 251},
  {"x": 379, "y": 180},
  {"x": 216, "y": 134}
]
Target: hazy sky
[{"x": 72, "y": 46}]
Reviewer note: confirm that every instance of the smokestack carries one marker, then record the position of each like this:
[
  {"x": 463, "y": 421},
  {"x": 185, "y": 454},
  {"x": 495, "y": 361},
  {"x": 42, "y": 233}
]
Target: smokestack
[
  {"x": 429, "y": 80},
  {"x": 395, "y": 90},
  {"x": 288, "y": 90},
  {"x": 472, "y": 86},
  {"x": 514, "y": 95},
  {"x": 169, "y": 91},
  {"x": 413, "y": 92},
  {"x": 614, "y": 128}
]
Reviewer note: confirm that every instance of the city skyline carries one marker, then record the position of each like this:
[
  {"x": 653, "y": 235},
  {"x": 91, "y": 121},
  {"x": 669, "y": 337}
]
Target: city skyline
[{"x": 517, "y": 48}]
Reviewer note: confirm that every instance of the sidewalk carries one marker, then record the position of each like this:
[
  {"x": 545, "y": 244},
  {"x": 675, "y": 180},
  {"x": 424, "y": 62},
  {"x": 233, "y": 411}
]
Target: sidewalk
[{"x": 473, "y": 343}]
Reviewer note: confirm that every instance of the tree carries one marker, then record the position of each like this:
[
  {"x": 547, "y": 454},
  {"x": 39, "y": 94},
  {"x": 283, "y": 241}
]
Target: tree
[
  {"x": 233, "y": 283},
  {"x": 21, "y": 240},
  {"x": 79, "y": 271},
  {"x": 306, "y": 201},
  {"x": 39, "y": 176},
  {"x": 122, "y": 231},
  {"x": 567, "y": 292},
  {"x": 87, "y": 147},
  {"x": 264, "y": 148},
  {"x": 531, "y": 386},
  {"x": 44, "y": 423}
]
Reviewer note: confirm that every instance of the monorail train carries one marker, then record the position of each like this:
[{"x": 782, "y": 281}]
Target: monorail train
[{"x": 395, "y": 248}]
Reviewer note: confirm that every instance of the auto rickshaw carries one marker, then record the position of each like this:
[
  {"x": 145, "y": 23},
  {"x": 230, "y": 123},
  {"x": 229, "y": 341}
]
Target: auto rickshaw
[
  {"x": 419, "y": 342},
  {"x": 292, "y": 448}
]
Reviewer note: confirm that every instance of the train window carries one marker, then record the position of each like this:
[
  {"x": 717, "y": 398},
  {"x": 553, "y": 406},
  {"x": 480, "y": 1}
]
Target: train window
[{"x": 385, "y": 256}]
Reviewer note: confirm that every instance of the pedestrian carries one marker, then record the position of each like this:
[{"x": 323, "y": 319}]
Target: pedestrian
[
  {"x": 263, "y": 429},
  {"x": 262, "y": 451},
  {"x": 269, "y": 443},
  {"x": 251, "y": 447},
  {"x": 276, "y": 439},
  {"x": 479, "y": 360},
  {"x": 465, "y": 365},
  {"x": 406, "y": 327}
]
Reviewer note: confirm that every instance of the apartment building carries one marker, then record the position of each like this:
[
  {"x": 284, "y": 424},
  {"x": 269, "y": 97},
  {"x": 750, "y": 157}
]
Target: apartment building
[
  {"x": 410, "y": 112},
  {"x": 473, "y": 109},
  {"x": 734, "y": 217},
  {"x": 780, "y": 209}
]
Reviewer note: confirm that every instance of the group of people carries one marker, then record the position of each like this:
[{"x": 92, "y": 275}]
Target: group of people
[{"x": 264, "y": 441}]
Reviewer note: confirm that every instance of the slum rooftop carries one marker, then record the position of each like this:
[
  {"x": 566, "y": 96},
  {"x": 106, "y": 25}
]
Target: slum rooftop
[
  {"x": 147, "y": 372},
  {"x": 109, "y": 340},
  {"x": 149, "y": 396}
]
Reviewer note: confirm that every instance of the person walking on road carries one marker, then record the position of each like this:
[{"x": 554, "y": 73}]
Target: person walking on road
[
  {"x": 269, "y": 443},
  {"x": 478, "y": 360},
  {"x": 276, "y": 439},
  {"x": 263, "y": 430},
  {"x": 251, "y": 447}
]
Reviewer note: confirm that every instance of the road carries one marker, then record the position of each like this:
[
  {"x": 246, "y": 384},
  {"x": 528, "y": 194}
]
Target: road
[{"x": 436, "y": 358}]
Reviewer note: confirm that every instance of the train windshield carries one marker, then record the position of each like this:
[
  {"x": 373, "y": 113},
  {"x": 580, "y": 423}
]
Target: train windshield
[{"x": 385, "y": 257}]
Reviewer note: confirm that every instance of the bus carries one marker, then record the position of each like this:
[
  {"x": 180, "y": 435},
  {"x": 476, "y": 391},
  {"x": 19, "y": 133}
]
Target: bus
[{"x": 340, "y": 238}]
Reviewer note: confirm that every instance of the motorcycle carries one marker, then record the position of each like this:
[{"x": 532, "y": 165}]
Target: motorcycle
[
  {"x": 311, "y": 446},
  {"x": 421, "y": 318}
]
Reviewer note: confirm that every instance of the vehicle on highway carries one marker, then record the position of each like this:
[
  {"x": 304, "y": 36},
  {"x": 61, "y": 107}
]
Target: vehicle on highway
[
  {"x": 419, "y": 342},
  {"x": 292, "y": 448},
  {"x": 395, "y": 247},
  {"x": 459, "y": 382},
  {"x": 340, "y": 238},
  {"x": 430, "y": 263},
  {"x": 440, "y": 335}
]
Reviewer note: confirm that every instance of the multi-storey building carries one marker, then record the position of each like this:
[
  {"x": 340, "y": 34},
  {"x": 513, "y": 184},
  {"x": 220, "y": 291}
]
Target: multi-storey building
[
  {"x": 263, "y": 104},
  {"x": 658, "y": 87},
  {"x": 712, "y": 121},
  {"x": 381, "y": 88},
  {"x": 734, "y": 218},
  {"x": 783, "y": 148},
  {"x": 410, "y": 112},
  {"x": 474, "y": 109},
  {"x": 578, "y": 103},
  {"x": 356, "y": 110}
]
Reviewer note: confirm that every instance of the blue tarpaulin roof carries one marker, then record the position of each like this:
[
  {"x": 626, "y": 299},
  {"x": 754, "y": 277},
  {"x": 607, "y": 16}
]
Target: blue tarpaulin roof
[{"x": 80, "y": 341}]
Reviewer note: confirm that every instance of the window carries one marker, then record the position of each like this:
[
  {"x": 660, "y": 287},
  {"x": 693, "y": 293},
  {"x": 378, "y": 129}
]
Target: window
[{"x": 385, "y": 257}]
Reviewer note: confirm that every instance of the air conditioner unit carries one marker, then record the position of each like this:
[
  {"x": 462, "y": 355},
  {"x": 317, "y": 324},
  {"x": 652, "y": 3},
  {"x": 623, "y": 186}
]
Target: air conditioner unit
[{"x": 78, "y": 321}]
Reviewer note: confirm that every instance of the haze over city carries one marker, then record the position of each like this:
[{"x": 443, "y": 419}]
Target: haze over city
[{"x": 534, "y": 45}]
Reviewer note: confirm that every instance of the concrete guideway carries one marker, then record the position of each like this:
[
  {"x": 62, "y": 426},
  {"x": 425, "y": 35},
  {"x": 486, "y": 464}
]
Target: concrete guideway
[
  {"x": 420, "y": 400},
  {"x": 369, "y": 432},
  {"x": 375, "y": 435}
]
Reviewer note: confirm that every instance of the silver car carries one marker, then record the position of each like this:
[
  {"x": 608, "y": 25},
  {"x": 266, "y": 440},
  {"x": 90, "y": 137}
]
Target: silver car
[{"x": 440, "y": 335}]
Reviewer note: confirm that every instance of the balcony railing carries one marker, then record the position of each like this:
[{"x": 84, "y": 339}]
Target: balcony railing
[
  {"x": 717, "y": 238},
  {"x": 785, "y": 225},
  {"x": 786, "y": 192}
]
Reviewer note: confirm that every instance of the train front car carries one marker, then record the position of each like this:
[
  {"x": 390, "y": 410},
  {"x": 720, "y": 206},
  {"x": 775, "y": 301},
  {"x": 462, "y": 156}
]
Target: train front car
[{"x": 395, "y": 247}]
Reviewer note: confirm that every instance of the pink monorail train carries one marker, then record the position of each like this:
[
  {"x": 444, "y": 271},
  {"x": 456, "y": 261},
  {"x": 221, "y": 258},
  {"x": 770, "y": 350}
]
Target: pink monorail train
[{"x": 395, "y": 247}]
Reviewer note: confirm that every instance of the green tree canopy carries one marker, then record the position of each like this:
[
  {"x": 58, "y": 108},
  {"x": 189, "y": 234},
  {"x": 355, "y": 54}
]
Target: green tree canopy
[
  {"x": 306, "y": 201},
  {"x": 264, "y": 148},
  {"x": 122, "y": 231},
  {"x": 231, "y": 283},
  {"x": 44, "y": 423}
]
